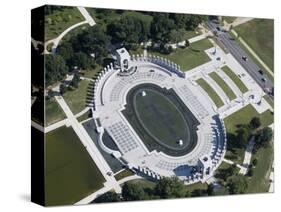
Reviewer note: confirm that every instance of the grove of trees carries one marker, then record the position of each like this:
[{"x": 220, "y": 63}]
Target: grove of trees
[{"x": 91, "y": 46}]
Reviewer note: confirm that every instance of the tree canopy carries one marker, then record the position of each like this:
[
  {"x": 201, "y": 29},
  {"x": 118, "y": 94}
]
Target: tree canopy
[
  {"x": 55, "y": 68},
  {"x": 255, "y": 123},
  {"x": 171, "y": 188},
  {"x": 237, "y": 184},
  {"x": 108, "y": 197},
  {"x": 130, "y": 30},
  {"x": 131, "y": 191},
  {"x": 264, "y": 136}
]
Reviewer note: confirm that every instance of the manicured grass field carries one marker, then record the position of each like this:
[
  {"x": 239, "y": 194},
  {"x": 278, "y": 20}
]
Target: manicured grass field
[
  {"x": 123, "y": 174},
  {"x": 60, "y": 20},
  {"x": 143, "y": 183},
  {"x": 259, "y": 35},
  {"x": 223, "y": 85},
  {"x": 244, "y": 116},
  {"x": 269, "y": 100},
  {"x": 259, "y": 182},
  {"x": 161, "y": 118},
  {"x": 53, "y": 112},
  {"x": 190, "y": 57},
  {"x": 91, "y": 73},
  {"x": 197, "y": 186},
  {"x": 235, "y": 79},
  {"x": 76, "y": 99},
  {"x": 71, "y": 174},
  {"x": 211, "y": 92}
]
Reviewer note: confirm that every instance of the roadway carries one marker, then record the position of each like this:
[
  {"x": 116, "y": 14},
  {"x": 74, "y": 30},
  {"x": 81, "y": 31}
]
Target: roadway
[{"x": 249, "y": 65}]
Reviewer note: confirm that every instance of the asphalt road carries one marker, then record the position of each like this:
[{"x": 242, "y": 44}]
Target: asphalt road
[{"x": 233, "y": 47}]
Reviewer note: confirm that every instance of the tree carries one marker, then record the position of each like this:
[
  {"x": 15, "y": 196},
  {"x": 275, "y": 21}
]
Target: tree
[
  {"x": 130, "y": 30},
  {"x": 255, "y": 162},
  {"x": 220, "y": 191},
  {"x": 62, "y": 88},
  {"x": 93, "y": 41},
  {"x": 55, "y": 69},
  {"x": 237, "y": 184},
  {"x": 81, "y": 60},
  {"x": 66, "y": 51},
  {"x": 75, "y": 81},
  {"x": 108, "y": 197},
  {"x": 264, "y": 136},
  {"x": 171, "y": 188},
  {"x": 188, "y": 22},
  {"x": 176, "y": 36},
  {"x": 226, "y": 173},
  {"x": 242, "y": 136},
  {"x": 161, "y": 26},
  {"x": 250, "y": 172},
  {"x": 187, "y": 43},
  {"x": 132, "y": 191},
  {"x": 255, "y": 123}
]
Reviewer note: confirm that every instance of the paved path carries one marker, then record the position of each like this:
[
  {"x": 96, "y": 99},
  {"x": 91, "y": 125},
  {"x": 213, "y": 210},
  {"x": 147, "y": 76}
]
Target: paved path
[
  {"x": 56, "y": 125},
  {"x": 240, "y": 20},
  {"x": 37, "y": 126},
  {"x": 248, "y": 156},
  {"x": 231, "y": 163},
  {"x": 198, "y": 38},
  {"x": 87, "y": 16},
  {"x": 56, "y": 40},
  {"x": 85, "y": 110}
]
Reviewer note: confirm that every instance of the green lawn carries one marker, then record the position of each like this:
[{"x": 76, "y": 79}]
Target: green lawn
[
  {"x": 138, "y": 51},
  {"x": 76, "y": 99},
  {"x": 259, "y": 35},
  {"x": 197, "y": 186},
  {"x": 161, "y": 118},
  {"x": 211, "y": 92},
  {"x": 123, "y": 174},
  {"x": 227, "y": 90},
  {"x": 53, "y": 112},
  {"x": 71, "y": 173},
  {"x": 269, "y": 100},
  {"x": 140, "y": 15},
  {"x": 143, "y": 183},
  {"x": 235, "y": 79},
  {"x": 259, "y": 182},
  {"x": 244, "y": 116},
  {"x": 191, "y": 34},
  {"x": 60, "y": 20},
  {"x": 91, "y": 73},
  {"x": 191, "y": 57}
]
